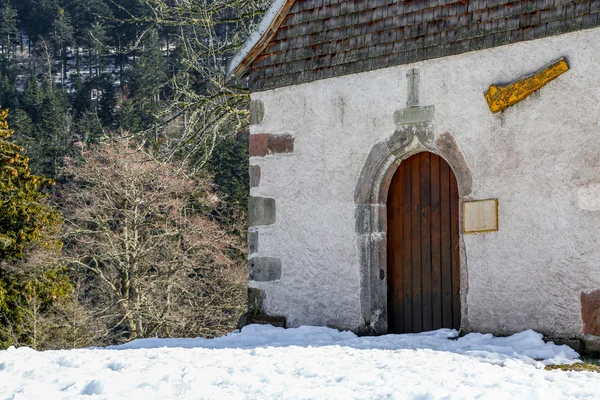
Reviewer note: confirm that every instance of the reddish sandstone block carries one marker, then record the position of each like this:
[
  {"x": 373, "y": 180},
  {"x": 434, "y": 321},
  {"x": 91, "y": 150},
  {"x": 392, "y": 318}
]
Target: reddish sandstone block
[
  {"x": 590, "y": 312},
  {"x": 263, "y": 144},
  {"x": 259, "y": 145},
  {"x": 281, "y": 144}
]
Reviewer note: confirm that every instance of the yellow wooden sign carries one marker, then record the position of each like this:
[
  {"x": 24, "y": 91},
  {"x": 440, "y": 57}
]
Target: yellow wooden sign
[{"x": 502, "y": 97}]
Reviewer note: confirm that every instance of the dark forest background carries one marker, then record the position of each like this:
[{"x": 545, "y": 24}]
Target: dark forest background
[{"x": 124, "y": 172}]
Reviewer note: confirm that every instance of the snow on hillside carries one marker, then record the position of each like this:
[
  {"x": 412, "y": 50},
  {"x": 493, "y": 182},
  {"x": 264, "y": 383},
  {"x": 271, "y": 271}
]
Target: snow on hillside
[{"x": 263, "y": 362}]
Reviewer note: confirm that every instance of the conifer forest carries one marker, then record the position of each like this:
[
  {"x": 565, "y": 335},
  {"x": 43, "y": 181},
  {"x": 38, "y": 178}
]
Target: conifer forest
[{"x": 123, "y": 170}]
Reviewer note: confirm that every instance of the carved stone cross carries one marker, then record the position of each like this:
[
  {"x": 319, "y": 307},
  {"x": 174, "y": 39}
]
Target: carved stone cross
[
  {"x": 413, "y": 87},
  {"x": 414, "y": 113}
]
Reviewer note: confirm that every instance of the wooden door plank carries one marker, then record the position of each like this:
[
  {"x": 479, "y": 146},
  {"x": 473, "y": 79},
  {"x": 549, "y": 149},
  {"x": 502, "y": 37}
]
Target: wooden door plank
[
  {"x": 407, "y": 246},
  {"x": 436, "y": 234},
  {"x": 395, "y": 290},
  {"x": 399, "y": 262},
  {"x": 416, "y": 243},
  {"x": 426, "y": 240},
  {"x": 455, "y": 234},
  {"x": 446, "y": 245}
]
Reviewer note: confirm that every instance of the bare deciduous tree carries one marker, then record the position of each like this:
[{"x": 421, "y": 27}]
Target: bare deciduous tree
[
  {"x": 204, "y": 35},
  {"x": 139, "y": 237}
]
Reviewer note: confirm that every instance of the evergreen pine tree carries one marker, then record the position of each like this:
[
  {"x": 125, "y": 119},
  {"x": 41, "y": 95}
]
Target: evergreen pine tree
[
  {"x": 28, "y": 225},
  {"x": 55, "y": 133},
  {"x": 37, "y": 16},
  {"x": 24, "y": 216},
  {"x": 31, "y": 98},
  {"x": 63, "y": 37},
  {"x": 148, "y": 71},
  {"x": 8, "y": 65},
  {"x": 146, "y": 80},
  {"x": 8, "y": 32}
]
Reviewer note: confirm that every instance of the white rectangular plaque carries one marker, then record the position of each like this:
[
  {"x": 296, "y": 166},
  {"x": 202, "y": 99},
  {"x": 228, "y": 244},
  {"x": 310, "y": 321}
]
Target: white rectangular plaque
[{"x": 480, "y": 216}]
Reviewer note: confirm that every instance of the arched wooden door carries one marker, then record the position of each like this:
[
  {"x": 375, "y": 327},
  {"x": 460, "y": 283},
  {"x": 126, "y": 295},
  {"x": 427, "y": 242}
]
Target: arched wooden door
[{"x": 423, "y": 246}]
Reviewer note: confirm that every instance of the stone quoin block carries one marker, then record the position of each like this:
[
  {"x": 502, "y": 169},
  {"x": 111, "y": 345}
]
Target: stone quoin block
[
  {"x": 257, "y": 112},
  {"x": 592, "y": 347},
  {"x": 590, "y": 312},
  {"x": 252, "y": 242},
  {"x": 256, "y": 298},
  {"x": 256, "y": 314},
  {"x": 261, "y": 211},
  {"x": 263, "y": 144},
  {"x": 264, "y": 269},
  {"x": 255, "y": 174}
]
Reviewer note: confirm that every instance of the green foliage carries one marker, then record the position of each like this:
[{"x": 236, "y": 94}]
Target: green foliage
[
  {"x": 127, "y": 117},
  {"x": 31, "y": 277},
  {"x": 53, "y": 134},
  {"x": 31, "y": 98},
  {"x": 24, "y": 216},
  {"x": 8, "y": 87},
  {"x": 84, "y": 15},
  {"x": 8, "y": 24},
  {"x": 26, "y": 298},
  {"x": 148, "y": 71},
  {"x": 229, "y": 166},
  {"x": 63, "y": 29},
  {"x": 37, "y": 16},
  {"x": 8, "y": 32},
  {"x": 94, "y": 40},
  {"x": 45, "y": 127}
]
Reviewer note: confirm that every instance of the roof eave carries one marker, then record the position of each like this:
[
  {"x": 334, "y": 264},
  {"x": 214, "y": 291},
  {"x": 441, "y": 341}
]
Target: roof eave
[{"x": 259, "y": 39}]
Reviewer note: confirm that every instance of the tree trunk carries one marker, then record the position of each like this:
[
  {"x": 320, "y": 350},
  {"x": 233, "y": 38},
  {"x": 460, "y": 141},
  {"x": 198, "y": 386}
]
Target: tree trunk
[{"x": 77, "y": 61}]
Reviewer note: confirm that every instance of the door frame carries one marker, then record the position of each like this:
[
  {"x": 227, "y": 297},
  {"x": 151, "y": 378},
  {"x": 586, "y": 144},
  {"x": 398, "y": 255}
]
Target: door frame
[{"x": 370, "y": 199}]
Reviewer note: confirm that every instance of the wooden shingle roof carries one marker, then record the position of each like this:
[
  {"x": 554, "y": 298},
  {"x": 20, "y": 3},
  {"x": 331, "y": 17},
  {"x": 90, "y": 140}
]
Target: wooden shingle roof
[{"x": 309, "y": 40}]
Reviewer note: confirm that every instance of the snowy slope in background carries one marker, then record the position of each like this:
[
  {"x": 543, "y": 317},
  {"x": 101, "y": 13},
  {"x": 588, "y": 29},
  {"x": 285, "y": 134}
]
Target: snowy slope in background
[{"x": 263, "y": 362}]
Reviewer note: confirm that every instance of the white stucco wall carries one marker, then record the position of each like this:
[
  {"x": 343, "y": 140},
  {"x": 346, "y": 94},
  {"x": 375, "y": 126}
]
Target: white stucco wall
[{"x": 540, "y": 158}]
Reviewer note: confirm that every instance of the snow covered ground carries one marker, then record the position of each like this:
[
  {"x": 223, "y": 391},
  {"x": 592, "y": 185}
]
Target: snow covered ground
[{"x": 263, "y": 362}]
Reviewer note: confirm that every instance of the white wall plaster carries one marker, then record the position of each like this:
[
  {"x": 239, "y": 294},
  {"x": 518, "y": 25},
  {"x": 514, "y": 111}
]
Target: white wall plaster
[
  {"x": 532, "y": 157},
  {"x": 589, "y": 197}
]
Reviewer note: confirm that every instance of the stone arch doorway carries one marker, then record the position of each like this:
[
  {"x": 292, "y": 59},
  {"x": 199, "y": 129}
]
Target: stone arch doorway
[
  {"x": 370, "y": 198},
  {"x": 423, "y": 261}
]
